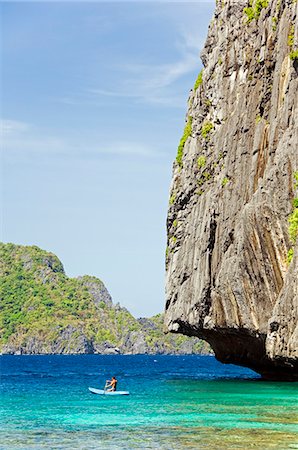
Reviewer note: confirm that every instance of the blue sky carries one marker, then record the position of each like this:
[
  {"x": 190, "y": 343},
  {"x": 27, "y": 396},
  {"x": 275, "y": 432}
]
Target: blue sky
[{"x": 93, "y": 106}]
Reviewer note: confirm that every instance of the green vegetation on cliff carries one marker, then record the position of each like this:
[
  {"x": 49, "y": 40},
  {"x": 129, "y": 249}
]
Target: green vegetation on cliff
[
  {"x": 44, "y": 311},
  {"x": 293, "y": 221},
  {"x": 199, "y": 80},
  {"x": 294, "y": 55},
  {"x": 254, "y": 9},
  {"x": 206, "y": 128},
  {"x": 186, "y": 135}
]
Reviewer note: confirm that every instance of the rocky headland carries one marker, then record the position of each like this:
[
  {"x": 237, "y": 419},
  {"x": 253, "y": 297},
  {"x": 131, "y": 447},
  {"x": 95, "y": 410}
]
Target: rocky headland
[
  {"x": 232, "y": 255},
  {"x": 43, "y": 311}
]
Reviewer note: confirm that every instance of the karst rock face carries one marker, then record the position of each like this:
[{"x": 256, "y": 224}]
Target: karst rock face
[{"x": 230, "y": 279}]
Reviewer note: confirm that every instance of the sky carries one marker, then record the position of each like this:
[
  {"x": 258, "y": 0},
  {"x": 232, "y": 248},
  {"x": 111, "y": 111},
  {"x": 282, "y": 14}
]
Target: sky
[{"x": 93, "y": 104}]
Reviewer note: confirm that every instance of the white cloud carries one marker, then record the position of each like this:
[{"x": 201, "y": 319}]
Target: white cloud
[
  {"x": 192, "y": 40},
  {"x": 24, "y": 142},
  {"x": 107, "y": 93},
  {"x": 12, "y": 127},
  {"x": 150, "y": 77},
  {"x": 154, "y": 83},
  {"x": 24, "y": 138},
  {"x": 129, "y": 148}
]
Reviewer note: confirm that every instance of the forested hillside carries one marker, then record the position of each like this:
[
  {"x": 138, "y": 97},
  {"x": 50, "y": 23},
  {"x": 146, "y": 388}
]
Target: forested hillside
[{"x": 44, "y": 311}]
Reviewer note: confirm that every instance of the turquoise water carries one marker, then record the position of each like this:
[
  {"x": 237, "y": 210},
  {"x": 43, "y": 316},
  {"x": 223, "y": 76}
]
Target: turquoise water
[{"x": 176, "y": 402}]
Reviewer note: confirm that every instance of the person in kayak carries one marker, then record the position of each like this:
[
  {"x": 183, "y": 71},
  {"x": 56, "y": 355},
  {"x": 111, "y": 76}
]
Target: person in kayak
[{"x": 112, "y": 384}]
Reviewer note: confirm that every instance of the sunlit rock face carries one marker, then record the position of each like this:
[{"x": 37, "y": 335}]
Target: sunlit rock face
[{"x": 230, "y": 277}]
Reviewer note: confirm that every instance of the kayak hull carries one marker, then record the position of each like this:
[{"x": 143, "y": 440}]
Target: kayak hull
[{"x": 102, "y": 392}]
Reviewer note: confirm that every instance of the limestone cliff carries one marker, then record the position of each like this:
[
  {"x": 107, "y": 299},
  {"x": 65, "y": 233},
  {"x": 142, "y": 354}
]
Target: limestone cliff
[{"x": 231, "y": 277}]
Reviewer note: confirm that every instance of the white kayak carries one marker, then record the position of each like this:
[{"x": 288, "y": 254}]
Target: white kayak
[{"x": 103, "y": 392}]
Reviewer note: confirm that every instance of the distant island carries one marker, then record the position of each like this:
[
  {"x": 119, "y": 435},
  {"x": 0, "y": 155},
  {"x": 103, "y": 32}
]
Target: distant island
[{"x": 45, "y": 312}]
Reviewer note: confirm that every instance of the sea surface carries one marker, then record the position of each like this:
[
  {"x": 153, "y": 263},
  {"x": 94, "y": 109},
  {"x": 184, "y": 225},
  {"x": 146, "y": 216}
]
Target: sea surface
[{"x": 175, "y": 402}]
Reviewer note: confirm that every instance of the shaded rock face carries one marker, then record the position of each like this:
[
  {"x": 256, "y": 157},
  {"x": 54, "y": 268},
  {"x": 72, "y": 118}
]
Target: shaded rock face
[
  {"x": 97, "y": 289},
  {"x": 229, "y": 280},
  {"x": 70, "y": 340}
]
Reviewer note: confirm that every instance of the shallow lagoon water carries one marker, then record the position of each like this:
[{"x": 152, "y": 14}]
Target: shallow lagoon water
[{"x": 176, "y": 402}]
